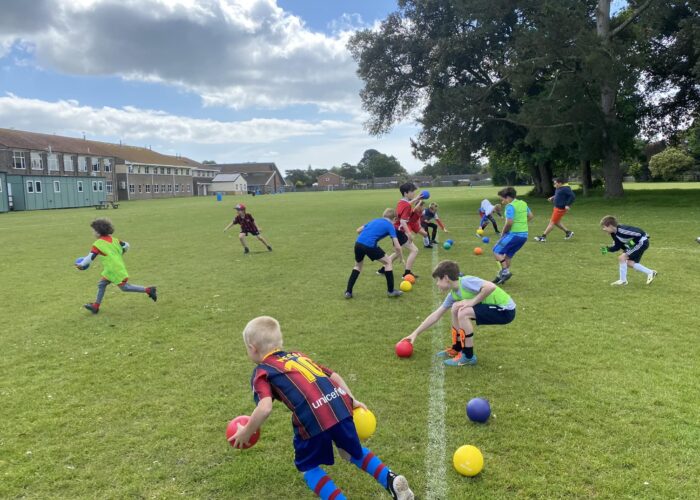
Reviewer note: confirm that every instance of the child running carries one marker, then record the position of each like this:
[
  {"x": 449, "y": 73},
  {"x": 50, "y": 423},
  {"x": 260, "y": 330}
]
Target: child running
[
  {"x": 406, "y": 224},
  {"x": 321, "y": 404},
  {"x": 367, "y": 245},
  {"x": 634, "y": 241},
  {"x": 111, "y": 252},
  {"x": 430, "y": 214},
  {"x": 515, "y": 231},
  {"x": 486, "y": 211},
  {"x": 469, "y": 298},
  {"x": 563, "y": 198},
  {"x": 247, "y": 227}
]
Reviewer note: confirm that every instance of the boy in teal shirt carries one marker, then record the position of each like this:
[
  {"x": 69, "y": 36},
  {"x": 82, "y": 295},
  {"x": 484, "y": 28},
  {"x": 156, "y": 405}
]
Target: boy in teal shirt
[
  {"x": 469, "y": 298},
  {"x": 111, "y": 251}
]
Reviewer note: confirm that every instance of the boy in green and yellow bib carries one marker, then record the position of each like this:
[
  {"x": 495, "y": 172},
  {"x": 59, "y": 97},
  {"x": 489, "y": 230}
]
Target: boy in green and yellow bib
[
  {"x": 515, "y": 232},
  {"x": 110, "y": 251},
  {"x": 469, "y": 298}
]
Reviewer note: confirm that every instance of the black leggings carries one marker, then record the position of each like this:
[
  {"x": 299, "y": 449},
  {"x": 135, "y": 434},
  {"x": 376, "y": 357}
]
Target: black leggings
[
  {"x": 432, "y": 225},
  {"x": 493, "y": 221}
]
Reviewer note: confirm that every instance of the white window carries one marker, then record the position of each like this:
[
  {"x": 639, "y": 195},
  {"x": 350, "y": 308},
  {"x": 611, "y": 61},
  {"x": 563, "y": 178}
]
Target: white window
[
  {"x": 68, "y": 163},
  {"x": 37, "y": 186},
  {"x": 107, "y": 162},
  {"x": 140, "y": 188},
  {"x": 147, "y": 170},
  {"x": 94, "y": 186},
  {"x": 95, "y": 164},
  {"x": 52, "y": 162},
  {"x": 189, "y": 188},
  {"x": 56, "y": 186},
  {"x": 82, "y": 164},
  {"x": 148, "y": 188},
  {"x": 100, "y": 186},
  {"x": 162, "y": 188},
  {"x": 108, "y": 187},
  {"x": 80, "y": 186},
  {"x": 170, "y": 188},
  {"x": 130, "y": 169},
  {"x": 18, "y": 160},
  {"x": 167, "y": 170},
  {"x": 36, "y": 161},
  {"x": 30, "y": 186},
  {"x": 0, "y": 187},
  {"x": 131, "y": 188},
  {"x": 177, "y": 188},
  {"x": 155, "y": 188}
]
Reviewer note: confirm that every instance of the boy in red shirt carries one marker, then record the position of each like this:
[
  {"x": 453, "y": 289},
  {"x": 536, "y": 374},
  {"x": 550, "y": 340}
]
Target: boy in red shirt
[
  {"x": 247, "y": 227},
  {"x": 406, "y": 224}
]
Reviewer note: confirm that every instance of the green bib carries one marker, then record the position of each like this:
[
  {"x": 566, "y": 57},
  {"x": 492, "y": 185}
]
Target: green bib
[
  {"x": 114, "y": 269},
  {"x": 496, "y": 298},
  {"x": 520, "y": 217}
]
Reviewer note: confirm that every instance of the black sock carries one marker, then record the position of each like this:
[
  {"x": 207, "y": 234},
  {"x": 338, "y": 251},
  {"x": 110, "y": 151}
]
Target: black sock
[
  {"x": 389, "y": 280},
  {"x": 468, "y": 352},
  {"x": 353, "y": 278},
  {"x": 457, "y": 346},
  {"x": 407, "y": 271},
  {"x": 381, "y": 270}
]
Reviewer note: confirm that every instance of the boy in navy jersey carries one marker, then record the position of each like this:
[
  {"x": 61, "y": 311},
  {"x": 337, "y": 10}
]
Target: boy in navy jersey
[
  {"x": 321, "y": 405},
  {"x": 367, "y": 245},
  {"x": 633, "y": 241},
  {"x": 248, "y": 226}
]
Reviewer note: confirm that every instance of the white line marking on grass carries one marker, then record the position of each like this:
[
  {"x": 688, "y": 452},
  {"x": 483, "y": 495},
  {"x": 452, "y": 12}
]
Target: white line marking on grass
[{"x": 435, "y": 457}]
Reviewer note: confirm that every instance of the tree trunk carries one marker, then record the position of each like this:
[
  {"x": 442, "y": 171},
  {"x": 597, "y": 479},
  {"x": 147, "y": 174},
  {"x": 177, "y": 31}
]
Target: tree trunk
[
  {"x": 536, "y": 178},
  {"x": 608, "y": 95},
  {"x": 545, "y": 170},
  {"x": 586, "y": 177}
]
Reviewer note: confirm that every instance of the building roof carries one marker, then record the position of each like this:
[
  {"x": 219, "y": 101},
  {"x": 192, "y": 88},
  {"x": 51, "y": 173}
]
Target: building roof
[
  {"x": 251, "y": 171},
  {"x": 226, "y": 178},
  {"x": 21, "y": 139},
  {"x": 257, "y": 178}
]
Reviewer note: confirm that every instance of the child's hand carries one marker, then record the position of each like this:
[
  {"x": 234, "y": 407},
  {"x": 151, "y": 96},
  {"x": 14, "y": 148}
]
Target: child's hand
[
  {"x": 359, "y": 404},
  {"x": 445, "y": 230},
  {"x": 241, "y": 437},
  {"x": 411, "y": 338}
]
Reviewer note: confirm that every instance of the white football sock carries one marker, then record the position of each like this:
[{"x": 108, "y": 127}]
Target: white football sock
[
  {"x": 643, "y": 269},
  {"x": 623, "y": 271}
]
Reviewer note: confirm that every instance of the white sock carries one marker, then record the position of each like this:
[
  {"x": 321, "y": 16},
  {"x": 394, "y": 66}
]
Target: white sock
[
  {"x": 623, "y": 272},
  {"x": 426, "y": 241},
  {"x": 643, "y": 269}
]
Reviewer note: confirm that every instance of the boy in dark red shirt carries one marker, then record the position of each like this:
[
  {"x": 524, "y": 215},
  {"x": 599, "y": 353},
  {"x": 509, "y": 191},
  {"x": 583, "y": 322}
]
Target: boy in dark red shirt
[
  {"x": 321, "y": 404},
  {"x": 406, "y": 224},
  {"x": 247, "y": 227}
]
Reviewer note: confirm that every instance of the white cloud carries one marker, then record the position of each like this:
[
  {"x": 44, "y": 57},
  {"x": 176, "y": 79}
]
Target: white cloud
[{"x": 237, "y": 53}]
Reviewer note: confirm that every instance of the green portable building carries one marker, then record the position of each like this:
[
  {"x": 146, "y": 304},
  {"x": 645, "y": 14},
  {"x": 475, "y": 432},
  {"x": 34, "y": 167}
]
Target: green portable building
[
  {"x": 4, "y": 195},
  {"x": 34, "y": 192}
]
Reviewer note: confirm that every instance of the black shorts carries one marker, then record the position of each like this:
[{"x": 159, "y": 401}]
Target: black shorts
[
  {"x": 374, "y": 253},
  {"x": 254, "y": 233},
  {"x": 401, "y": 236},
  {"x": 488, "y": 314},
  {"x": 636, "y": 256}
]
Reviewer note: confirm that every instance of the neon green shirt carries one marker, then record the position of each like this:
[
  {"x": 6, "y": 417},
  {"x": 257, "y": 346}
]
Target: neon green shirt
[{"x": 113, "y": 266}]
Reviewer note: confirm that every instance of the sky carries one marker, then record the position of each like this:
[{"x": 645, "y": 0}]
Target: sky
[{"x": 224, "y": 80}]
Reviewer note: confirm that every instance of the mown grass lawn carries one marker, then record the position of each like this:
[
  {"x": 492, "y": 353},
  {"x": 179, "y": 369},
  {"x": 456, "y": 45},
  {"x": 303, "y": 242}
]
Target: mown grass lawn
[{"x": 595, "y": 390}]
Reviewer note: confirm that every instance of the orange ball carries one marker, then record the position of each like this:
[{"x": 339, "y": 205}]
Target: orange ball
[
  {"x": 410, "y": 278},
  {"x": 478, "y": 251}
]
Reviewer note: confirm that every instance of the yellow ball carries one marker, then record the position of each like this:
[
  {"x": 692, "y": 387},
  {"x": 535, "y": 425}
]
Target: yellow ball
[
  {"x": 406, "y": 286},
  {"x": 480, "y": 232},
  {"x": 468, "y": 460},
  {"x": 365, "y": 422}
]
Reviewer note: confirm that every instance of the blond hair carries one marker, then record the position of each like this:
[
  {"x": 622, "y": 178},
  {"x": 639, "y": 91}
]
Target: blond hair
[
  {"x": 263, "y": 333},
  {"x": 433, "y": 205},
  {"x": 389, "y": 213},
  {"x": 608, "y": 220}
]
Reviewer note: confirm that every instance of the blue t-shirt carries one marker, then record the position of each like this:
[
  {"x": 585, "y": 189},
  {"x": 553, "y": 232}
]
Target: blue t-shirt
[
  {"x": 375, "y": 230},
  {"x": 510, "y": 214}
]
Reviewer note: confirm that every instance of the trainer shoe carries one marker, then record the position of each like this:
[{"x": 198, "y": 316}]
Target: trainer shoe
[
  {"x": 152, "y": 293},
  {"x": 380, "y": 271},
  {"x": 497, "y": 280},
  {"x": 460, "y": 360},
  {"x": 92, "y": 308},
  {"x": 620, "y": 282},
  {"x": 506, "y": 276},
  {"x": 569, "y": 235},
  {"x": 541, "y": 239},
  {"x": 448, "y": 353},
  {"x": 650, "y": 277},
  {"x": 269, "y": 248},
  {"x": 394, "y": 293},
  {"x": 427, "y": 246},
  {"x": 246, "y": 250},
  {"x": 398, "y": 487},
  {"x": 348, "y": 295}
]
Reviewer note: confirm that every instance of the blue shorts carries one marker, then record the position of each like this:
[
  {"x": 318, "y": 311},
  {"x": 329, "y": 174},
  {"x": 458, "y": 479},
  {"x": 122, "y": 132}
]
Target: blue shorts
[
  {"x": 489, "y": 314},
  {"x": 509, "y": 244},
  {"x": 318, "y": 450}
]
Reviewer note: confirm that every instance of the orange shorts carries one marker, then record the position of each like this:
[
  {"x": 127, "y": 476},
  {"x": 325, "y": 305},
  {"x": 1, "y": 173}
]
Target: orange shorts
[{"x": 557, "y": 214}]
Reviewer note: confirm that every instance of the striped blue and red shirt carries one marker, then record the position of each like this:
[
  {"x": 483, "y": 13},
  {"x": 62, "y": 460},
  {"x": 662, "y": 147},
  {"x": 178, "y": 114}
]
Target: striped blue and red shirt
[{"x": 317, "y": 403}]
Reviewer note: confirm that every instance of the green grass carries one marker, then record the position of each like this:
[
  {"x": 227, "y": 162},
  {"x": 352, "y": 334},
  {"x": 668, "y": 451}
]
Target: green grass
[{"x": 134, "y": 402}]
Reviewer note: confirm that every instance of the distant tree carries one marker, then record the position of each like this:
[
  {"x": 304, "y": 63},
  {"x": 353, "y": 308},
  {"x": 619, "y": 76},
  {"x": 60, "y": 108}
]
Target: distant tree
[
  {"x": 296, "y": 176},
  {"x": 208, "y": 162},
  {"x": 450, "y": 163},
  {"x": 376, "y": 164},
  {"x": 670, "y": 164}
]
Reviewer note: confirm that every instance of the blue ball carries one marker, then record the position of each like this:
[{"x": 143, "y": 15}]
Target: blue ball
[
  {"x": 425, "y": 194},
  {"x": 446, "y": 245},
  {"x": 478, "y": 410},
  {"x": 451, "y": 242},
  {"x": 485, "y": 239}
]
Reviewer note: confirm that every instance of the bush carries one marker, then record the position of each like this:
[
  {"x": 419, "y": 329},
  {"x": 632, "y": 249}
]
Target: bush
[{"x": 670, "y": 164}]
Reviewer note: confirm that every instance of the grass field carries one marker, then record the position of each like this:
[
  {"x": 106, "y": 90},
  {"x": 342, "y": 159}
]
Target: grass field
[{"x": 595, "y": 390}]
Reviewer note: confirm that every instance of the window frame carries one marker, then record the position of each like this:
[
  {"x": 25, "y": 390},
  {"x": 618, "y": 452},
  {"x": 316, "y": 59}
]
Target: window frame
[
  {"x": 94, "y": 186},
  {"x": 32, "y": 156},
  {"x": 109, "y": 187},
  {"x": 56, "y": 184},
  {"x": 23, "y": 161},
  {"x": 37, "y": 187},
  {"x": 68, "y": 163},
  {"x": 95, "y": 163},
  {"x": 79, "y": 185},
  {"x": 147, "y": 188},
  {"x": 132, "y": 189},
  {"x": 49, "y": 162},
  {"x": 29, "y": 187},
  {"x": 82, "y": 165}
]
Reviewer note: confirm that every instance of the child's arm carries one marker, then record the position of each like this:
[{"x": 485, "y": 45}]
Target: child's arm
[
  {"x": 87, "y": 260},
  {"x": 530, "y": 215},
  {"x": 257, "y": 418},
  {"x": 398, "y": 249},
  {"x": 229, "y": 226},
  {"x": 439, "y": 223},
  {"x": 486, "y": 289},
  {"x": 360, "y": 229},
  {"x": 427, "y": 323},
  {"x": 125, "y": 246},
  {"x": 341, "y": 383}
]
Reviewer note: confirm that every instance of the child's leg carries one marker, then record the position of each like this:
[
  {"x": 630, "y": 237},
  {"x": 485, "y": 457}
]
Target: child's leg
[
  {"x": 548, "y": 229},
  {"x": 623, "y": 259},
  {"x": 372, "y": 465},
  {"x": 101, "y": 287},
  {"x": 149, "y": 290},
  {"x": 562, "y": 227},
  {"x": 466, "y": 330},
  {"x": 356, "y": 270},
  {"x": 264, "y": 241},
  {"x": 413, "y": 253},
  {"x": 241, "y": 238},
  {"x": 322, "y": 485},
  {"x": 637, "y": 266},
  {"x": 388, "y": 272},
  {"x": 493, "y": 221}
]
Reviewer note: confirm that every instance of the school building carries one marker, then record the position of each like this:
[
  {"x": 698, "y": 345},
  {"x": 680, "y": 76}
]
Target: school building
[{"x": 260, "y": 178}]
